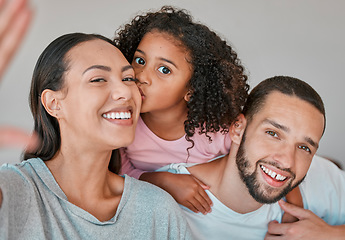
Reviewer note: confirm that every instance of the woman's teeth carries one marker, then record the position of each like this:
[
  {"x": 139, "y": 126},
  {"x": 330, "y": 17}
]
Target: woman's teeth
[{"x": 117, "y": 115}]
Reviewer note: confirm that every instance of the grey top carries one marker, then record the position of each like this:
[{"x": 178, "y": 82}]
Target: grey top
[{"x": 35, "y": 207}]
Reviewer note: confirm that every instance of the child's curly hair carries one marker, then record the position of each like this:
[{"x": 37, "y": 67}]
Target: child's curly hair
[{"x": 218, "y": 84}]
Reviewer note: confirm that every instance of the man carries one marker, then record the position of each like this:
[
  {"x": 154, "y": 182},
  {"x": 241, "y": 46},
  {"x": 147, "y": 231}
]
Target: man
[{"x": 273, "y": 144}]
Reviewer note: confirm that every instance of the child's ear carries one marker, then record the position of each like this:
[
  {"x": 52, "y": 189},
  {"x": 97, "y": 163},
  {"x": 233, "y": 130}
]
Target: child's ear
[
  {"x": 188, "y": 95},
  {"x": 237, "y": 129},
  {"x": 51, "y": 102}
]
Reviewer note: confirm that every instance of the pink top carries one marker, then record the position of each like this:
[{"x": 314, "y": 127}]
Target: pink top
[{"x": 148, "y": 152}]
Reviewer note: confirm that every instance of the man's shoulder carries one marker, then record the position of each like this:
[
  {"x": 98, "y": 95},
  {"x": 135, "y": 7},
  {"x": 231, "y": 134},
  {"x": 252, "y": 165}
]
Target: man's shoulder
[
  {"x": 178, "y": 168},
  {"x": 323, "y": 190},
  {"x": 323, "y": 169},
  {"x": 323, "y": 173}
]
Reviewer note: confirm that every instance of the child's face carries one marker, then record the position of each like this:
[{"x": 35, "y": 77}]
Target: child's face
[{"x": 161, "y": 66}]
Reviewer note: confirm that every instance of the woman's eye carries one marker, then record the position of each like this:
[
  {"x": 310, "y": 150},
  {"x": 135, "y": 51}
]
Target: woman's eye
[
  {"x": 98, "y": 80},
  {"x": 129, "y": 79},
  {"x": 164, "y": 70},
  {"x": 139, "y": 61},
  {"x": 305, "y": 148},
  {"x": 273, "y": 134}
]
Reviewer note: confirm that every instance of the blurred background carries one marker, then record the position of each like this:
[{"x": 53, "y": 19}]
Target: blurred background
[{"x": 299, "y": 38}]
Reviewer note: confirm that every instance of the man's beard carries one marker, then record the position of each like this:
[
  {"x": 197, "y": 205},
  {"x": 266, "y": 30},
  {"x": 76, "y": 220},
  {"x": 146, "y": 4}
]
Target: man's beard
[{"x": 260, "y": 192}]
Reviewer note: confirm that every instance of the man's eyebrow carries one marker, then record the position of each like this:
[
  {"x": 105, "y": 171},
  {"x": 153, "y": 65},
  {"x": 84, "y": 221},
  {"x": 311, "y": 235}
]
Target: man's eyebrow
[
  {"x": 161, "y": 58},
  {"x": 286, "y": 129},
  {"x": 311, "y": 142},
  {"x": 277, "y": 125},
  {"x": 102, "y": 67}
]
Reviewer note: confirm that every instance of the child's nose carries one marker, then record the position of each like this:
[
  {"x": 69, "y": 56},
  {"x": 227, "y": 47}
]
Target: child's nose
[{"x": 143, "y": 76}]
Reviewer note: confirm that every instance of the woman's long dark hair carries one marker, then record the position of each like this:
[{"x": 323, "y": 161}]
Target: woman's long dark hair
[{"x": 49, "y": 74}]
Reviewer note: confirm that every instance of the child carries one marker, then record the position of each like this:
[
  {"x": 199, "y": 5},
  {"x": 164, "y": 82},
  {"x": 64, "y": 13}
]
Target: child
[{"x": 193, "y": 87}]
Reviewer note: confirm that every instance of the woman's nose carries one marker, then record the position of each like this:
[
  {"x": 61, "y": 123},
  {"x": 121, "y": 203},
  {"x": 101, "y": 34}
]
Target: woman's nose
[{"x": 121, "y": 92}]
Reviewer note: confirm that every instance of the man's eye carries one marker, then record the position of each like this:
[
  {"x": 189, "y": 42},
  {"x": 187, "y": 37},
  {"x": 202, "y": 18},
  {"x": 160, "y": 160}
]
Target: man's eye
[
  {"x": 164, "y": 70},
  {"x": 139, "y": 60},
  {"x": 129, "y": 79},
  {"x": 273, "y": 134},
  {"x": 305, "y": 148},
  {"x": 98, "y": 80}
]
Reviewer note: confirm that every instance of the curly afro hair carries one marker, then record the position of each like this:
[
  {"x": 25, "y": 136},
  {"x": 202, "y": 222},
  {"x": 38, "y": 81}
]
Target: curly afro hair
[{"x": 218, "y": 84}]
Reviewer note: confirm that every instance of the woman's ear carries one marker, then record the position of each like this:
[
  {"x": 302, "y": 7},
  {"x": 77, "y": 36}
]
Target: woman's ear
[
  {"x": 50, "y": 101},
  {"x": 237, "y": 129}
]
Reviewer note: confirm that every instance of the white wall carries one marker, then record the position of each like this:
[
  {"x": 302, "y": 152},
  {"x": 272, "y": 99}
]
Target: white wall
[{"x": 300, "y": 38}]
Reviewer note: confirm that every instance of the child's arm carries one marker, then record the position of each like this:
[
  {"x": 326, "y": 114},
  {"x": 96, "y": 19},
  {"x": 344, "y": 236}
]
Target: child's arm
[
  {"x": 293, "y": 197},
  {"x": 186, "y": 189}
]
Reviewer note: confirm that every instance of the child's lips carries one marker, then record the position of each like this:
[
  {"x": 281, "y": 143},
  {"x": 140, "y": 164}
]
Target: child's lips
[{"x": 142, "y": 93}]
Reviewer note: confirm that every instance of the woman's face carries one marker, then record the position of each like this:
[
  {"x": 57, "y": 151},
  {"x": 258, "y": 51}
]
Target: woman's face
[{"x": 100, "y": 101}]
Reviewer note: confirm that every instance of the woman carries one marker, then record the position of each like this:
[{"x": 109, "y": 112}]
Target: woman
[{"x": 85, "y": 104}]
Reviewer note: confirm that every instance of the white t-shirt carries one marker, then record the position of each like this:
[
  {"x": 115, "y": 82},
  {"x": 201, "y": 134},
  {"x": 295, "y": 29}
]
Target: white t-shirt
[{"x": 323, "y": 192}]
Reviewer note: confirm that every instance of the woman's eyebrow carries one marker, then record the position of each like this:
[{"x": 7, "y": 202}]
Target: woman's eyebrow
[{"x": 102, "y": 67}]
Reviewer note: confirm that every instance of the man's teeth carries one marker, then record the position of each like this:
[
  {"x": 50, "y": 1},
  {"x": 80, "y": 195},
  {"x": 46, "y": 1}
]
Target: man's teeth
[
  {"x": 117, "y": 115},
  {"x": 273, "y": 174}
]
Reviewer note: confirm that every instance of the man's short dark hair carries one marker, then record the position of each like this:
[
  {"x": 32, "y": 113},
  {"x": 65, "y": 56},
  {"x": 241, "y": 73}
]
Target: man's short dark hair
[{"x": 287, "y": 85}]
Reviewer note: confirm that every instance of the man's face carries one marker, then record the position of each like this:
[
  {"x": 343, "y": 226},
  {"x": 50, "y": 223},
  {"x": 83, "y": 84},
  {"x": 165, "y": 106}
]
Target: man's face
[{"x": 278, "y": 146}]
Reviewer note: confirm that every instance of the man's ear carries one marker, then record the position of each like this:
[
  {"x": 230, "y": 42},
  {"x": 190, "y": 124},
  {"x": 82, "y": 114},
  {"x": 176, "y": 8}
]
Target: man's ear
[
  {"x": 237, "y": 129},
  {"x": 51, "y": 102}
]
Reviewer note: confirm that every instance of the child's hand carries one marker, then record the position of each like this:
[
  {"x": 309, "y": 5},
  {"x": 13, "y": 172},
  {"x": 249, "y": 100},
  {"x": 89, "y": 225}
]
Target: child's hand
[
  {"x": 186, "y": 189},
  {"x": 190, "y": 192}
]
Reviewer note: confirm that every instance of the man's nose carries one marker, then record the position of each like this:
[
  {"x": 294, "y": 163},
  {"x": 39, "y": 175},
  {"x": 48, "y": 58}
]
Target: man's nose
[{"x": 286, "y": 156}]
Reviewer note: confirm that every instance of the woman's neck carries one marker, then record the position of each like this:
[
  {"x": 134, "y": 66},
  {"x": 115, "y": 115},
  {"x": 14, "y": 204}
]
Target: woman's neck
[{"x": 86, "y": 181}]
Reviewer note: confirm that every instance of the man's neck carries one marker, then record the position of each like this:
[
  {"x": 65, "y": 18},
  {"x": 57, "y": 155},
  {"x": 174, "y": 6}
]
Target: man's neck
[{"x": 226, "y": 184}]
